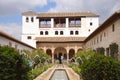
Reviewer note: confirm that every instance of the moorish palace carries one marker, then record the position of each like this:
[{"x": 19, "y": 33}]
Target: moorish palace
[
  {"x": 65, "y": 33},
  {"x": 58, "y": 33}
]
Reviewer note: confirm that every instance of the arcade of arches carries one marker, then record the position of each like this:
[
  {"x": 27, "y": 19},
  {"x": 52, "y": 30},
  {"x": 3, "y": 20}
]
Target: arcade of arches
[{"x": 57, "y": 50}]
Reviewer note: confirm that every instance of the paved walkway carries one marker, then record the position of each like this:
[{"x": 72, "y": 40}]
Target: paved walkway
[{"x": 47, "y": 74}]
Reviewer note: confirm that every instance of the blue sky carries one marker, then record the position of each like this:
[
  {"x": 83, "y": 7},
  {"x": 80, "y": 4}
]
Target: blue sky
[{"x": 11, "y": 10}]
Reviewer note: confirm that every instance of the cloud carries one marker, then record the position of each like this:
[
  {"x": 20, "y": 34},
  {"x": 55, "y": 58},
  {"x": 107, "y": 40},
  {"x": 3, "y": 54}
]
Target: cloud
[
  {"x": 12, "y": 29},
  {"x": 102, "y": 7},
  {"x": 8, "y": 7}
]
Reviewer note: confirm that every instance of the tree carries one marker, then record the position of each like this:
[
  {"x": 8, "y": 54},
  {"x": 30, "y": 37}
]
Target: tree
[
  {"x": 114, "y": 50},
  {"x": 37, "y": 57},
  {"x": 13, "y": 66}
]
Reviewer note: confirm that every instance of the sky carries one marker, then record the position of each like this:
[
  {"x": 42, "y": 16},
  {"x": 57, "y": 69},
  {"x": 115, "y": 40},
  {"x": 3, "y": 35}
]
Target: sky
[{"x": 11, "y": 10}]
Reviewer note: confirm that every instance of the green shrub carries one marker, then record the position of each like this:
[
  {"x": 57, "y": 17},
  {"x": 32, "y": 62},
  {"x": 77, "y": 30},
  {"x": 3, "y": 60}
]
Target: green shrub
[
  {"x": 83, "y": 56},
  {"x": 101, "y": 50},
  {"x": 13, "y": 66},
  {"x": 35, "y": 72},
  {"x": 100, "y": 67}
]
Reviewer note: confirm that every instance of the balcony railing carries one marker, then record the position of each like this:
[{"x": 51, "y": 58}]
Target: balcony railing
[
  {"x": 45, "y": 26},
  {"x": 74, "y": 25},
  {"x": 59, "y": 26}
]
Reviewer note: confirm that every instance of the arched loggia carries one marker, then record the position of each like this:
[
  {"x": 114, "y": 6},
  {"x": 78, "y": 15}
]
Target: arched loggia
[{"x": 60, "y": 51}]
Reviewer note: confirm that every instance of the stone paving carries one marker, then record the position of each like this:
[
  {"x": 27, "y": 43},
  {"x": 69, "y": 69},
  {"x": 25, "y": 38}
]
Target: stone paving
[{"x": 47, "y": 74}]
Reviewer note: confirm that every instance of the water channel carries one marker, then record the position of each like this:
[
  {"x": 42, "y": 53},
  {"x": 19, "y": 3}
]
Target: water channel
[{"x": 59, "y": 74}]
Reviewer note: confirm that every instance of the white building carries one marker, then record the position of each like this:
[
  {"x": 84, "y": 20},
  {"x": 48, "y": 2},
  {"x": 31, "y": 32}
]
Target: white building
[
  {"x": 58, "y": 33},
  {"x": 69, "y": 24}
]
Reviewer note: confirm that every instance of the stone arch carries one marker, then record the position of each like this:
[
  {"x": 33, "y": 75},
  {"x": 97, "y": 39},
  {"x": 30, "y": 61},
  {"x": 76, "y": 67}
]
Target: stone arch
[
  {"x": 49, "y": 52},
  {"x": 60, "y": 51},
  {"x": 79, "y": 49},
  {"x": 71, "y": 53}
]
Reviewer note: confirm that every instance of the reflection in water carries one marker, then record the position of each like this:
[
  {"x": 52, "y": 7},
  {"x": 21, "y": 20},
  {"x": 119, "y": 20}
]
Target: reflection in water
[{"x": 59, "y": 74}]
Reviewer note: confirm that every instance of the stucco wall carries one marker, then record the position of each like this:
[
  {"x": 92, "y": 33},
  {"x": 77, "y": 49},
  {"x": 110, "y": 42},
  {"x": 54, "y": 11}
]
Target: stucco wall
[{"x": 20, "y": 47}]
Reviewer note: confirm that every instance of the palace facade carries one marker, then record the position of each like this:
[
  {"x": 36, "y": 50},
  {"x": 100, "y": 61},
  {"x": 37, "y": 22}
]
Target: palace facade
[{"x": 58, "y": 33}]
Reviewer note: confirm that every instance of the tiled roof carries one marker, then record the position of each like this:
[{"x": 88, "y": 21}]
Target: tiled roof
[
  {"x": 66, "y": 14},
  {"x": 60, "y": 39},
  {"x": 29, "y": 13},
  {"x": 60, "y": 14}
]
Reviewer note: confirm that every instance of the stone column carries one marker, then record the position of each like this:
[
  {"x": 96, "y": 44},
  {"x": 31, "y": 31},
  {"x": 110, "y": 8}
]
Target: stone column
[
  {"x": 67, "y": 22},
  {"x": 67, "y": 55},
  {"x": 52, "y": 22},
  {"x": 76, "y": 48},
  {"x": 52, "y": 55}
]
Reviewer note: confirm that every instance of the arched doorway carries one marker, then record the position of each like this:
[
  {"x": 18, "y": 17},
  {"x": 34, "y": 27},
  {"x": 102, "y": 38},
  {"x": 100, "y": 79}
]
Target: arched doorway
[
  {"x": 71, "y": 53},
  {"x": 49, "y": 52},
  {"x": 60, "y": 51}
]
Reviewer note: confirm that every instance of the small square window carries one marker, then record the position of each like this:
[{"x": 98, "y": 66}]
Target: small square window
[
  {"x": 41, "y": 32},
  {"x": 56, "y": 32},
  {"x": 32, "y": 19},
  {"x": 46, "y": 32},
  {"x": 113, "y": 28},
  {"x": 27, "y": 19},
  {"x": 71, "y": 32},
  {"x": 76, "y": 32},
  {"x": 29, "y": 37},
  {"x": 91, "y": 24},
  {"x": 61, "y": 32}
]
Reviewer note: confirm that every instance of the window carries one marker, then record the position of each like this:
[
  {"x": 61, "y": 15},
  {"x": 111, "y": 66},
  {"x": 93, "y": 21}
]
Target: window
[
  {"x": 32, "y": 20},
  {"x": 15, "y": 46},
  {"x": 71, "y": 32},
  {"x": 91, "y": 24},
  {"x": 29, "y": 37},
  {"x": 97, "y": 39},
  {"x": 46, "y": 32},
  {"x": 41, "y": 32},
  {"x": 104, "y": 34},
  {"x": 10, "y": 44},
  {"x": 56, "y": 32},
  {"x": 27, "y": 19},
  {"x": 61, "y": 32},
  {"x": 113, "y": 28},
  {"x": 89, "y": 30},
  {"x": 76, "y": 32},
  {"x": 101, "y": 37}
]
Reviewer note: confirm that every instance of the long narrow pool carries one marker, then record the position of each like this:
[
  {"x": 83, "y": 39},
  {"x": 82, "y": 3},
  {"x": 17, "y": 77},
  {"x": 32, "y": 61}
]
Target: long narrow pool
[{"x": 59, "y": 74}]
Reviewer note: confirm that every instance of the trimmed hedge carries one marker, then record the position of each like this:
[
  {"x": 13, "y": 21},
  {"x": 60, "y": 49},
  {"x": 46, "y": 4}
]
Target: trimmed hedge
[
  {"x": 36, "y": 72},
  {"x": 100, "y": 67}
]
